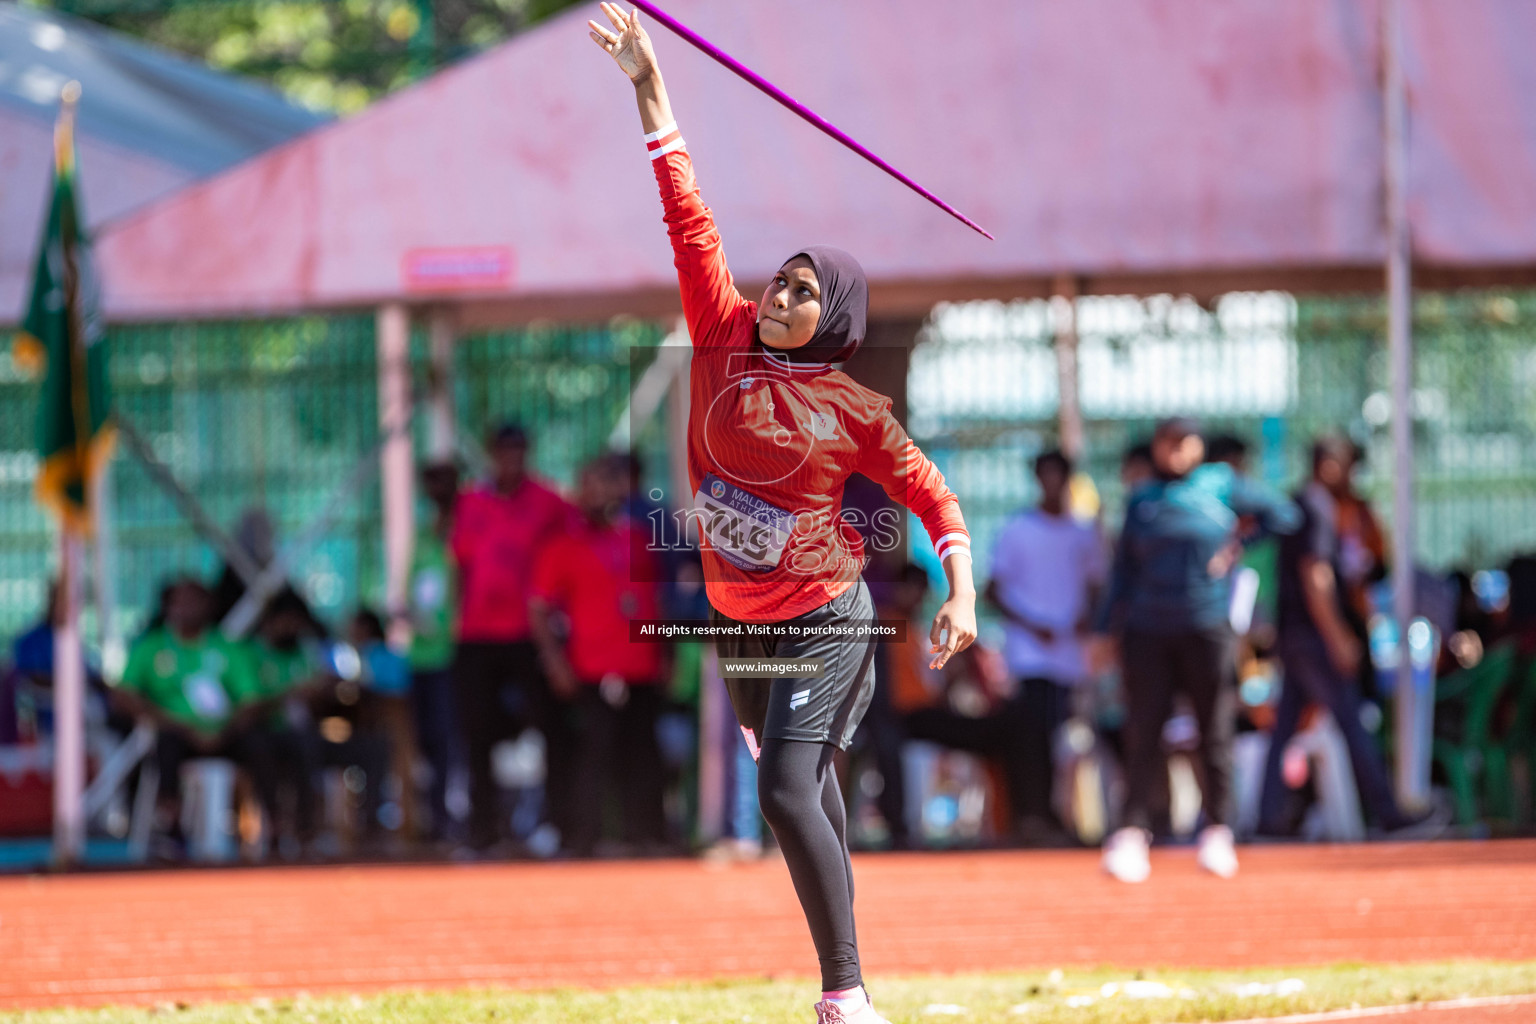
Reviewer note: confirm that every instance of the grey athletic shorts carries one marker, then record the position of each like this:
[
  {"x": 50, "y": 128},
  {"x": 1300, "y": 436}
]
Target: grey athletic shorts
[{"x": 825, "y": 709}]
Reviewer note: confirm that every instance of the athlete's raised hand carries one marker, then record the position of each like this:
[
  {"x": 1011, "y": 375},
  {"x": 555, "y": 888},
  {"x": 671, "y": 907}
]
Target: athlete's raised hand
[{"x": 627, "y": 43}]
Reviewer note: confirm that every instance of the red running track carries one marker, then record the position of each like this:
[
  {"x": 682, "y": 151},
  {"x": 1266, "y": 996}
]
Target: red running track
[{"x": 202, "y": 935}]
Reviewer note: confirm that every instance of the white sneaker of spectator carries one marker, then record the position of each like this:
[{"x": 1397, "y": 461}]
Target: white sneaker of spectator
[
  {"x": 1125, "y": 855},
  {"x": 1217, "y": 854}
]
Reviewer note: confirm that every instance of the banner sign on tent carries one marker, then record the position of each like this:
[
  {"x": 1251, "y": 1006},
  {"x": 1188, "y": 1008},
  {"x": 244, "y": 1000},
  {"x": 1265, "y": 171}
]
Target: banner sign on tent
[{"x": 431, "y": 270}]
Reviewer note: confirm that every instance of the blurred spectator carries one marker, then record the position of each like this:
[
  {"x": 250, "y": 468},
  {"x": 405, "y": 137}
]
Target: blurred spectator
[
  {"x": 32, "y": 651},
  {"x": 386, "y": 706},
  {"x": 26, "y": 690},
  {"x": 978, "y": 711},
  {"x": 1320, "y": 650},
  {"x": 1519, "y": 616},
  {"x": 681, "y": 730},
  {"x": 498, "y": 530},
  {"x": 1249, "y": 548},
  {"x": 1047, "y": 569},
  {"x": 967, "y": 706},
  {"x": 911, "y": 683},
  {"x": 599, "y": 576},
  {"x": 1136, "y": 468},
  {"x": 347, "y": 739},
  {"x": 647, "y": 511},
  {"x": 434, "y": 614},
  {"x": 654, "y": 520},
  {"x": 1362, "y": 554},
  {"x": 1476, "y": 625},
  {"x": 199, "y": 689},
  {"x": 256, "y": 535},
  {"x": 1168, "y": 599},
  {"x": 156, "y": 618},
  {"x": 257, "y": 538},
  {"x": 1249, "y": 545},
  {"x": 288, "y": 673},
  {"x": 902, "y": 671},
  {"x": 1229, "y": 449}
]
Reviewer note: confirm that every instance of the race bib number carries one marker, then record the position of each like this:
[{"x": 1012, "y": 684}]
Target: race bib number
[{"x": 743, "y": 529}]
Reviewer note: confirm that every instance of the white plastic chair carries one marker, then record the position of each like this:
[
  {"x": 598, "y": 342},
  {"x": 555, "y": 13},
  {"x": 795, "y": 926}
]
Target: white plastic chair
[{"x": 207, "y": 809}]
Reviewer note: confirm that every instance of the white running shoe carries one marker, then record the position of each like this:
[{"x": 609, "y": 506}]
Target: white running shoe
[
  {"x": 829, "y": 1012},
  {"x": 1125, "y": 855},
  {"x": 1217, "y": 854}
]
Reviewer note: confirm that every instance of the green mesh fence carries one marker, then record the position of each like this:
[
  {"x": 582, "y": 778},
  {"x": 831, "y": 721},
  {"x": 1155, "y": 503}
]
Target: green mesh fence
[
  {"x": 1268, "y": 367},
  {"x": 277, "y": 415},
  {"x": 567, "y": 386},
  {"x": 261, "y": 415}
]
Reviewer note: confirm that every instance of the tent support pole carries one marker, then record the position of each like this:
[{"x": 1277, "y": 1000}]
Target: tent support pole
[
  {"x": 396, "y": 462},
  {"x": 1412, "y": 757},
  {"x": 1069, "y": 410},
  {"x": 677, "y": 423}
]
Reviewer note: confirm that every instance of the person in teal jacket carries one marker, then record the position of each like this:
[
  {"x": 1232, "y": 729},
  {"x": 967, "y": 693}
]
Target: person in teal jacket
[{"x": 1167, "y": 600}]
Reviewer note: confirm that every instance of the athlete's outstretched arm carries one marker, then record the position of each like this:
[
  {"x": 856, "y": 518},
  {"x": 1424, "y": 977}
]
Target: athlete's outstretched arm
[
  {"x": 890, "y": 459},
  {"x": 713, "y": 307}
]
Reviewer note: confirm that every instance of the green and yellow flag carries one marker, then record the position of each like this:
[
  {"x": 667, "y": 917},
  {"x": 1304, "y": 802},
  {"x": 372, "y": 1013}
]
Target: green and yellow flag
[{"x": 63, "y": 331}]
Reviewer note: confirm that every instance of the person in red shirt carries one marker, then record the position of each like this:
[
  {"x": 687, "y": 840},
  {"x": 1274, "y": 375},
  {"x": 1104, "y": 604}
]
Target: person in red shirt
[
  {"x": 775, "y": 430},
  {"x": 498, "y": 530},
  {"x": 600, "y": 575}
]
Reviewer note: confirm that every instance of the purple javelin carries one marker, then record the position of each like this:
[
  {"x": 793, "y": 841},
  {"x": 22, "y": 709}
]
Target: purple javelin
[{"x": 800, "y": 108}]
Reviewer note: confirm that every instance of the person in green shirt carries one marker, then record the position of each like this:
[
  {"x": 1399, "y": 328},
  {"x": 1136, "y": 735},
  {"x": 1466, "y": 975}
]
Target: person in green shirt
[
  {"x": 200, "y": 690},
  {"x": 434, "y": 608},
  {"x": 289, "y": 673}
]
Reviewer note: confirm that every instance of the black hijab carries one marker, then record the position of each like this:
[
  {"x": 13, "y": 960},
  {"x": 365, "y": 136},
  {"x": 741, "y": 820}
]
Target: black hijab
[{"x": 844, "y": 307}]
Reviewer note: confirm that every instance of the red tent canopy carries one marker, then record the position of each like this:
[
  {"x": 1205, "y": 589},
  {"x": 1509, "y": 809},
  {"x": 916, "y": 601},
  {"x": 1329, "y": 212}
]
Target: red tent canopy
[{"x": 1135, "y": 144}]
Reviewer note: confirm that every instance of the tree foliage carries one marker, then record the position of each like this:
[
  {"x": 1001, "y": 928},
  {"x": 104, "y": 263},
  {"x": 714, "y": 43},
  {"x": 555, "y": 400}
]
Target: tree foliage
[{"x": 336, "y": 55}]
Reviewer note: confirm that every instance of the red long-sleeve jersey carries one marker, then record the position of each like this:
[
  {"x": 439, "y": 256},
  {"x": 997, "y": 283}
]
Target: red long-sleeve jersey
[{"x": 771, "y": 443}]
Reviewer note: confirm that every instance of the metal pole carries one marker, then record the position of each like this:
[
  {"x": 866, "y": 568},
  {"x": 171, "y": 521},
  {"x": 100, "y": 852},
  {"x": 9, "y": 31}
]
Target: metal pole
[
  {"x": 396, "y": 462},
  {"x": 1412, "y": 757},
  {"x": 68, "y": 710},
  {"x": 1069, "y": 403},
  {"x": 659, "y": 381},
  {"x": 108, "y": 635},
  {"x": 235, "y": 556},
  {"x": 717, "y": 742},
  {"x": 677, "y": 423},
  {"x": 242, "y": 617}
]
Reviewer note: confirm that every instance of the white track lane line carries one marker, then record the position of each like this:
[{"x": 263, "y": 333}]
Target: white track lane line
[{"x": 1392, "y": 1011}]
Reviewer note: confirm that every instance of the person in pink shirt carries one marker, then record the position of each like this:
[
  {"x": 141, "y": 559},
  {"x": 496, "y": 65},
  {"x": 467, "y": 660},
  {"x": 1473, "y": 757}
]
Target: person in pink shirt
[
  {"x": 599, "y": 577},
  {"x": 498, "y": 530}
]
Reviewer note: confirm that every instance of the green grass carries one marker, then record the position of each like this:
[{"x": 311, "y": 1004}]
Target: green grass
[{"x": 1043, "y": 997}]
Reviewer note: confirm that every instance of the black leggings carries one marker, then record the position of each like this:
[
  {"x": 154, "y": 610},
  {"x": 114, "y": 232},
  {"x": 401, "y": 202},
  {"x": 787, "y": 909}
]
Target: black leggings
[{"x": 797, "y": 788}]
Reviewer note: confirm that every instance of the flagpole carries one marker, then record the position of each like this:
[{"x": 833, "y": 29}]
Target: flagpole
[
  {"x": 104, "y": 574},
  {"x": 68, "y": 709},
  {"x": 68, "y": 658}
]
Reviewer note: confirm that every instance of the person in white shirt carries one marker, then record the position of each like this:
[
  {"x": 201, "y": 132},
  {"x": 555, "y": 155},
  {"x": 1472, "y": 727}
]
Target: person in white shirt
[{"x": 1047, "y": 567}]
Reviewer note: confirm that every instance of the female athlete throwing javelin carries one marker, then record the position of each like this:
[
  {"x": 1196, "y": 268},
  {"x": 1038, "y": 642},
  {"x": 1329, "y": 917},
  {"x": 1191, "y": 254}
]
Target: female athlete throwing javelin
[{"x": 774, "y": 432}]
